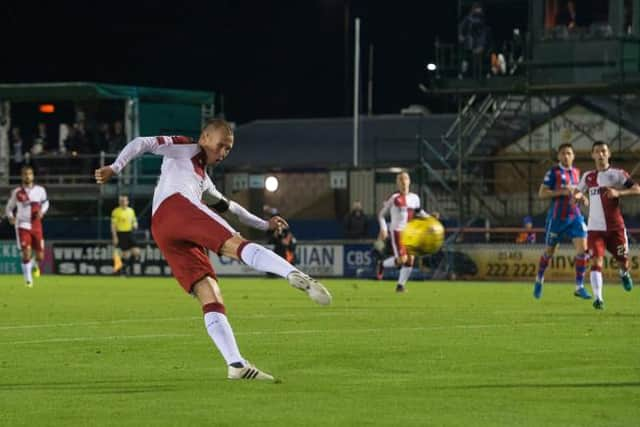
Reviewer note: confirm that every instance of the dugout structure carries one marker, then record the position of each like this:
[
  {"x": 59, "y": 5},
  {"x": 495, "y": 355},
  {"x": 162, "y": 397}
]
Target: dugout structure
[
  {"x": 144, "y": 111},
  {"x": 570, "y": 85}
]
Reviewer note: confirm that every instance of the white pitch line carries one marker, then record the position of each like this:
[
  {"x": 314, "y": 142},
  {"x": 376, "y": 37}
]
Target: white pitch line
[
  {"x": 286, "y": 332},
  {"x": 94, "y": 323},
  {"x": 112, "y": 337},
  {"x": 144, "y": 320},
  {"x": 368, "y": 330},
  {"x": 298, "y": 332}
]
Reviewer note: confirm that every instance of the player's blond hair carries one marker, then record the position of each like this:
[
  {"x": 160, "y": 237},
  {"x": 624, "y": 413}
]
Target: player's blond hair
[{"x": 221, "y": 124}]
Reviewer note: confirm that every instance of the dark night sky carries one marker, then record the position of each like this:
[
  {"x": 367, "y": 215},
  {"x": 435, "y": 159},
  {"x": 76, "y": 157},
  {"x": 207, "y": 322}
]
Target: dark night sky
[{"x": 270, "y": 59}]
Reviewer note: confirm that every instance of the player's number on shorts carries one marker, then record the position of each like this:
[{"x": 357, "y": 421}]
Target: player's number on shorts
[{"x": 622, "y": 250}]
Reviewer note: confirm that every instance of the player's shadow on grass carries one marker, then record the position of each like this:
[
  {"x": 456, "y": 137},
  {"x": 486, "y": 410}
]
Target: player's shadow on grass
[{"x": 550, "y": 385}]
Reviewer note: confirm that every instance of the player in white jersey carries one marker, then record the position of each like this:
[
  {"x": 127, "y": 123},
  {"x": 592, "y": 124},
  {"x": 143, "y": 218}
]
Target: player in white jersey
[
  {"x": 605, "y": 228},
  {"x": 29, "y": 201},
  {"x": 183, "y": 226},
  {"x": 402, "y": 207}
]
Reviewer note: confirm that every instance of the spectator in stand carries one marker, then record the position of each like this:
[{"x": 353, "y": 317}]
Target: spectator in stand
[
  {"x": 567, "y": 15},
  {"x": 40, "y": 140},
  {"x": 516, "y": 51},
  {"x": 103, "y": 137},
  {"x": 63, "y": 136},
  {"x": 38, "y": 148},
  {"x": 117, "y": 139},
  {"x": 282, "y": 239},
  {"x": 355, "y": 223},
  {"x": 474, "y": 36},
  {"x": 284, "y": 244},
  {"x": 527, "y": 236},
  {"x": 17, "y": 147},
  {"x": 78, "y": 143}
]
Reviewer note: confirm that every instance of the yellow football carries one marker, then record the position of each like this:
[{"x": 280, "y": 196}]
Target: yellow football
[{"x": 423, "y": 236}]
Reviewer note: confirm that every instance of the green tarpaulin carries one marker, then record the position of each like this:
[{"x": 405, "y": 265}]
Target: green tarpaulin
[{"x": 82, "y": 91}]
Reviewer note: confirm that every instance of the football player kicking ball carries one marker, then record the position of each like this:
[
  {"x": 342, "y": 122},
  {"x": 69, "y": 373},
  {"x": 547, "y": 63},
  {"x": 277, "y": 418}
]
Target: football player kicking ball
[
  {"x": 606, "y": 229},
  {"x": 563, "y": 219},
  {"x": 402, "y": 206},
  {"x": 183, "y": 226}
]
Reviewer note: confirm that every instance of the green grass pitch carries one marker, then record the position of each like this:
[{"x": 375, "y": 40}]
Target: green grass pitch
[{"x": 133, "y": 352}]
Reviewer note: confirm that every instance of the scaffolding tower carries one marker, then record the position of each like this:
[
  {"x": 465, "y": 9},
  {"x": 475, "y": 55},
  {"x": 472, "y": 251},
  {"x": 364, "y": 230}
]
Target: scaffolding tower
[{"x": 465, "y": 172}]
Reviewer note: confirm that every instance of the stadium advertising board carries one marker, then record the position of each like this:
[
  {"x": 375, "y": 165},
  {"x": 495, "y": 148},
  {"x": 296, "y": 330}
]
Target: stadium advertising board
[
  {"x": 359, "y": 261},
  {"x": 320, "y": 260},
  {"x": 520, "y": 262},
  {"x": 10, "y": 259},
  {"x": 225, "y": 266},
  {"x": 97, "y": 259}
]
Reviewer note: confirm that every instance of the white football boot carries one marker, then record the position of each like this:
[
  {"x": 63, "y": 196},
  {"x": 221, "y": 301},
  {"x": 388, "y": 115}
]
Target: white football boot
[
  {"x": 312, "y": 287},
  {"x": 248, "y": 372}
]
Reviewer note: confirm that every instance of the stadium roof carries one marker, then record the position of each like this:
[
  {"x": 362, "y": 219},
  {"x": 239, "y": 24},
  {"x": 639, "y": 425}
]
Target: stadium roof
[{"x": 83, "y": 91}]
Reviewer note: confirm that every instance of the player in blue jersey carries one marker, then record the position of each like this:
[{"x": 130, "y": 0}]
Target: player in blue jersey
[{"x": 564, "y": 219}]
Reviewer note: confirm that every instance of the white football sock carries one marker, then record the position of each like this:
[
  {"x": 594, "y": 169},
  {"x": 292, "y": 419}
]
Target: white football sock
[
  {"x": 405, "y": 272},
  {"x": 26, "y": 271},
  {"x": 389, "y": 262},
  {"x": 220, "y": 332},
  {"x": 596, "y": 284},
  {"x": 262, "y": 259}
]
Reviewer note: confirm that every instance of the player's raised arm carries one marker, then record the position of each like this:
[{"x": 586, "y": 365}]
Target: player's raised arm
[
  {"x": 548, "y": 188},
  {"x": 170, "y": 146},
  {"x": 44, "y": 207},
  {"x": 382, "y": 222},
  {"x": 579, "y": 192},
  {"x": 421, "y": 213},
  {"x": 220, "y": 203}
]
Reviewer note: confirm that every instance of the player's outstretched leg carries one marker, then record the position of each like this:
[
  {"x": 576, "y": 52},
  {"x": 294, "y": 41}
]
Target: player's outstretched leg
[
  {"x": 27, "y": 273},
  {"x": 542, "y": 266},
  {"x": 627, "y": 282},
  {"x": 403, "y": 277},
  {"x": 316, "y": 291},
  {"x": 596, "y": 285},
  {"x": 379, "y": 270},
  {"x": 262, "y": 259},
  {"x": 247, "y": 372},
  {"x": 581, "y": 261},
  {"x": 219, "y": 329},
  {"x": 36, "y": 269},
  {"x": 389, "y": 262}
]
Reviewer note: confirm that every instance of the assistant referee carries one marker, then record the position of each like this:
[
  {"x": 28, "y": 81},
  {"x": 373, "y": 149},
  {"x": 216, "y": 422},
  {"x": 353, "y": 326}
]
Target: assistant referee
[{"x": 123, "y": 223}]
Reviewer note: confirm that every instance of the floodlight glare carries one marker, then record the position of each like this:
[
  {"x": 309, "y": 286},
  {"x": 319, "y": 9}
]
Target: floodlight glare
[{"x": 271, "y": 183}]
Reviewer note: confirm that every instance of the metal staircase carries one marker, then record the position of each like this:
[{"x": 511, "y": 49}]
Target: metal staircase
[{"x": 455, "y": 177}]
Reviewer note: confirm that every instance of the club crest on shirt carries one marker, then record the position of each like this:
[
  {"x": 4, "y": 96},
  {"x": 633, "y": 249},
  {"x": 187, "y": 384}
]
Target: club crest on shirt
[{"x": 22, "y": 196}]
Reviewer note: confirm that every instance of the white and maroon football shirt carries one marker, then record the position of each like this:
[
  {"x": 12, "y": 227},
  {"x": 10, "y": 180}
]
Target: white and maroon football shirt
[
  {"x": 604, "y": 213},
  {"x": 28, "y": 202},
  {"x": 401, "y": 208}
]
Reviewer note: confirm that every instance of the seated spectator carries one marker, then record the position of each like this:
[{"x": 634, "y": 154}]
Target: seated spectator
[
  {"x": 527, "y": 236},
  {"x": 355, "y": 223}
]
